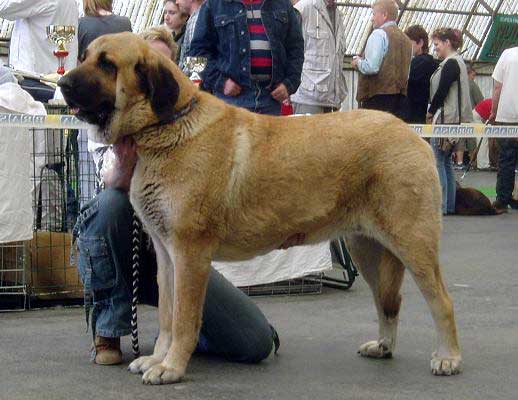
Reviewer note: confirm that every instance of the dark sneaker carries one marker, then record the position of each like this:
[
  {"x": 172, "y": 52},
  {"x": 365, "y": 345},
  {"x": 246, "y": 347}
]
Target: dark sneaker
[
  {"x": 107, "y": 350},
  {"x": 500, "y": 206},
  {"x": 514, "y": 204}
]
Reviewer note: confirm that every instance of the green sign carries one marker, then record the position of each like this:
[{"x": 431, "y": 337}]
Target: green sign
[{"x": 503, "y": 34}]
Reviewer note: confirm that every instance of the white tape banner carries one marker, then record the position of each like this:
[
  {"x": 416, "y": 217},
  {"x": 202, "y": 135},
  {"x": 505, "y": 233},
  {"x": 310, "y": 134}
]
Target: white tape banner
[{"x": 461, "y": 131}]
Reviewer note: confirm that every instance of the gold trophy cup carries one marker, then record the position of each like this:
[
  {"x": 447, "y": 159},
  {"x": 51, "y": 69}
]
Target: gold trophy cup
[
  {"x": 61, "y": 35},
  {"x": 193, "y": 67}
]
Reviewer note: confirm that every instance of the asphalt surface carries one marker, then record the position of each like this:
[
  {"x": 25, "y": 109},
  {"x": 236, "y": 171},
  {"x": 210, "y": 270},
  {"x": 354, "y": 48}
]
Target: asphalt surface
[{"x": 44, "y": 353}]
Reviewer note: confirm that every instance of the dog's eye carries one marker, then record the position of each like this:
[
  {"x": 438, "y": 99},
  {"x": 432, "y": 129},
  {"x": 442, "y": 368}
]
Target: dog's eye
[{"x": 107, "y": 65}]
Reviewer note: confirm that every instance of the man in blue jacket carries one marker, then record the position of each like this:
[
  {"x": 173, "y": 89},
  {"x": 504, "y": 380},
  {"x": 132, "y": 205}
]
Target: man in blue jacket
[{"x": 255, "y": 52}]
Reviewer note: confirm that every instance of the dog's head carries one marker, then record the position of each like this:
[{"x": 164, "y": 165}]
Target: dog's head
[{"x": 123, "y": 85}]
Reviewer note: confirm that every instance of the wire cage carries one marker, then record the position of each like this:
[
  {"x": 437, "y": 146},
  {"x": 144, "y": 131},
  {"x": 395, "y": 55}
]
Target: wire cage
[
  {"x": 311, "y": 284},
  {"x": 62, "y": 177},
  {"x": 63, "y": 180},
  {"x": 13, "y": 283}
]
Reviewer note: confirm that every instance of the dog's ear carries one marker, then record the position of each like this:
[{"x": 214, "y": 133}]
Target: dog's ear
[{"x": 159, "y": 85}]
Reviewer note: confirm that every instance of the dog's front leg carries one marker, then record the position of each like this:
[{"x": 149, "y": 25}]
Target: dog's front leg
[
  {"x": 165, "y": 279},
  {"x": 191, "y": 273}
]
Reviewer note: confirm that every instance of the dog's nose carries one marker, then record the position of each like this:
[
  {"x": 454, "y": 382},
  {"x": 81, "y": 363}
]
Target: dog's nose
[{"x": 65, "y": 83}]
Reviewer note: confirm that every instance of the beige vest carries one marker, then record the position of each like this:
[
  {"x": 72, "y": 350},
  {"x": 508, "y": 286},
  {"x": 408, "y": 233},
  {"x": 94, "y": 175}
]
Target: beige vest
[
  {"x": 392, "y": 77},
  {"x": 451, "y": 102}
]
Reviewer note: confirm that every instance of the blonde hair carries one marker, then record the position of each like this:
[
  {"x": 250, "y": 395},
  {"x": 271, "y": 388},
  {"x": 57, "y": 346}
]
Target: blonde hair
[
  {"x": 92, "y": 7},
  {"x": 162, "y": 34},
  {"x": 389, "y": 7}
]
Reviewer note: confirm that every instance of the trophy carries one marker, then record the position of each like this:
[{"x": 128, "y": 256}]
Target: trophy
[
  {"x": 193, "y": 67},
  {"x": 60, "y": 35}
]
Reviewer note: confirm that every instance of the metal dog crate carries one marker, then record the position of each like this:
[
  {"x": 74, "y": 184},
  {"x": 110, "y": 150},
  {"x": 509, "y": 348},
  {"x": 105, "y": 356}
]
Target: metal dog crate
[
  {"x": 63, "y": 180},
  {"x": 311, "y": 284},
  {"x": 13, "y": 283},
  {"x": 62, "y": 175}
]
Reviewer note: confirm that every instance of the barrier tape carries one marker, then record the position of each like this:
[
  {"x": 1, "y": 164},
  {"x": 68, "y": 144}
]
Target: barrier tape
[{"x": 460, "y": 131}]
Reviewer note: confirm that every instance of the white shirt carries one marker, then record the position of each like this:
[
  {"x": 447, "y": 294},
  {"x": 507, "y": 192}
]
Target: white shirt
[
  {"x": 506, "y": 72},
  {"x": 30, "y": 49}
]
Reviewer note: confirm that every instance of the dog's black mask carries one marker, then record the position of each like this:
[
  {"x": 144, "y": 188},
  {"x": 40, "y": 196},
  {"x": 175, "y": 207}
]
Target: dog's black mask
[{"x": 85, "y": 93}]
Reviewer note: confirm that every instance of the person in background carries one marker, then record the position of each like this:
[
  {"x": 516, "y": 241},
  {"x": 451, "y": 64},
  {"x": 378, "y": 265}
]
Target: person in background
[
  {"x": 99, "y": 20},
  {"x": 30, "y": 50},
  {"x": 191, "y": 8},
  {"x": 481, "y": 114},
  {"x": 175, "y": 20},
  {"x": 255, "y": 52},
  {"x": 422, "y": 67},
  {"x": 505, "y": 112},
  {"x": 233, "y": 327},
  {"x": 468, "y": 144},
  {"x": 384, "y": 67},
  {"x": 323, "y": 87},
  {"x": 475, "y": 94},
  {"x": 450, "y": 104}
]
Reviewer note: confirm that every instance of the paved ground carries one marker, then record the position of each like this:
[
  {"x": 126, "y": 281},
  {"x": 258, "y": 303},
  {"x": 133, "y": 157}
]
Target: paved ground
[{"x": 44, "y": 354}]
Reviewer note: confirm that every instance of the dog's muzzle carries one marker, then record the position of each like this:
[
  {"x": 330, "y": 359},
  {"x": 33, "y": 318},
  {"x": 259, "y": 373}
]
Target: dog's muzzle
[{"x": 91, "y": 104}]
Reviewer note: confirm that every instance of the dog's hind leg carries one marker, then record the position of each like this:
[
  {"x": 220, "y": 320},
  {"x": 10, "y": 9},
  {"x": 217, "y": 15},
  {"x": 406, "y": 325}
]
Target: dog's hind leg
[
  {"x": 422, "y": 259},
  {"x": 384, "y": 274},
  {"x": 191, "y": 260},
  {"x": 165, "y": 311}
]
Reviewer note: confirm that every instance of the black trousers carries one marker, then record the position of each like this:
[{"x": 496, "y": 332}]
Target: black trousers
[
  {"x": 391, "y": 103},
  {"x": 507, "y": 161}
]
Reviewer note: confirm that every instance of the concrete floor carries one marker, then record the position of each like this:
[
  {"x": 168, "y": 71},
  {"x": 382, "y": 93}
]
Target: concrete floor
[{"x": 44, "y": 353}]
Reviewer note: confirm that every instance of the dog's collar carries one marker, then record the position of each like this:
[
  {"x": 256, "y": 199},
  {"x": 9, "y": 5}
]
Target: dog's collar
[{"x": 175, "y": 116}]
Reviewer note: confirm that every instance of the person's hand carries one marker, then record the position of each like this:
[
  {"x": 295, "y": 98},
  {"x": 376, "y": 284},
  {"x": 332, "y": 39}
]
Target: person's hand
[
  {"x": 231, "y": 88},
  {"x": 492, "y": 117},
  {"x": 280, "y": 93},
  {"x": 120, "y": 174},
  {"x": 429, "y": 118},
  {"x": 354, "y": 62}
]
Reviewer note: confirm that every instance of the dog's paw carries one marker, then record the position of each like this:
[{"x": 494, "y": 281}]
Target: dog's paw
[
  {"x": 446, "y": 366},
  {"x": 159, "y": 374},
  {"x": 375, "y": 349},
  {"x": 142, "y": 364}
]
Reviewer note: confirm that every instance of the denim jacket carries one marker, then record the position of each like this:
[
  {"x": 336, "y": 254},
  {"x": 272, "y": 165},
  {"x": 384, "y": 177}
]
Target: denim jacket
[{"x": 222, "y": 36}]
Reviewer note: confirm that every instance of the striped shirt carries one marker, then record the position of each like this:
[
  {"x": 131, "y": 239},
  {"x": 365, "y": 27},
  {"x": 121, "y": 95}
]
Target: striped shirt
[
  {"x": 187, "y": 39},
  {"x": 260, "y": 51}
]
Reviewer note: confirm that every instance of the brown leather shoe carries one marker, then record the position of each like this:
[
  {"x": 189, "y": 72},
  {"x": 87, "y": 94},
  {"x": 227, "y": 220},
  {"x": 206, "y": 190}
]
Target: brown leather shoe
[{"x": 107, "y": 350}]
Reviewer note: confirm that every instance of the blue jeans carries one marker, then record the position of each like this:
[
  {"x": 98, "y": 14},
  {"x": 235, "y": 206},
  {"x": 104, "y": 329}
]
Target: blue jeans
[
  {"x": 233, "y": 326},
  {"x": 446, "y": 176},
  {"x": 257, "y": 99}
]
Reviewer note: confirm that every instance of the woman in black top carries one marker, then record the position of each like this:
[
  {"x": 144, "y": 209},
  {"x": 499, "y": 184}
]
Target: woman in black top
[
  {"x": 421, "y": 69},
  {"x": 98, "y": 20},
  {"x": 450, "y": 104}
]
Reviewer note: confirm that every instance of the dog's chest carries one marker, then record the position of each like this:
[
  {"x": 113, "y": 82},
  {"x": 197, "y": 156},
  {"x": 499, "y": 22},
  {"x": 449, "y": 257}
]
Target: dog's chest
[{"x": 150, "y": 202}]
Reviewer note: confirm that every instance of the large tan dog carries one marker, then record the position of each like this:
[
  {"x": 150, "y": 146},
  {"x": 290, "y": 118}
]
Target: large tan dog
[{"x": 215, "y": 182}]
